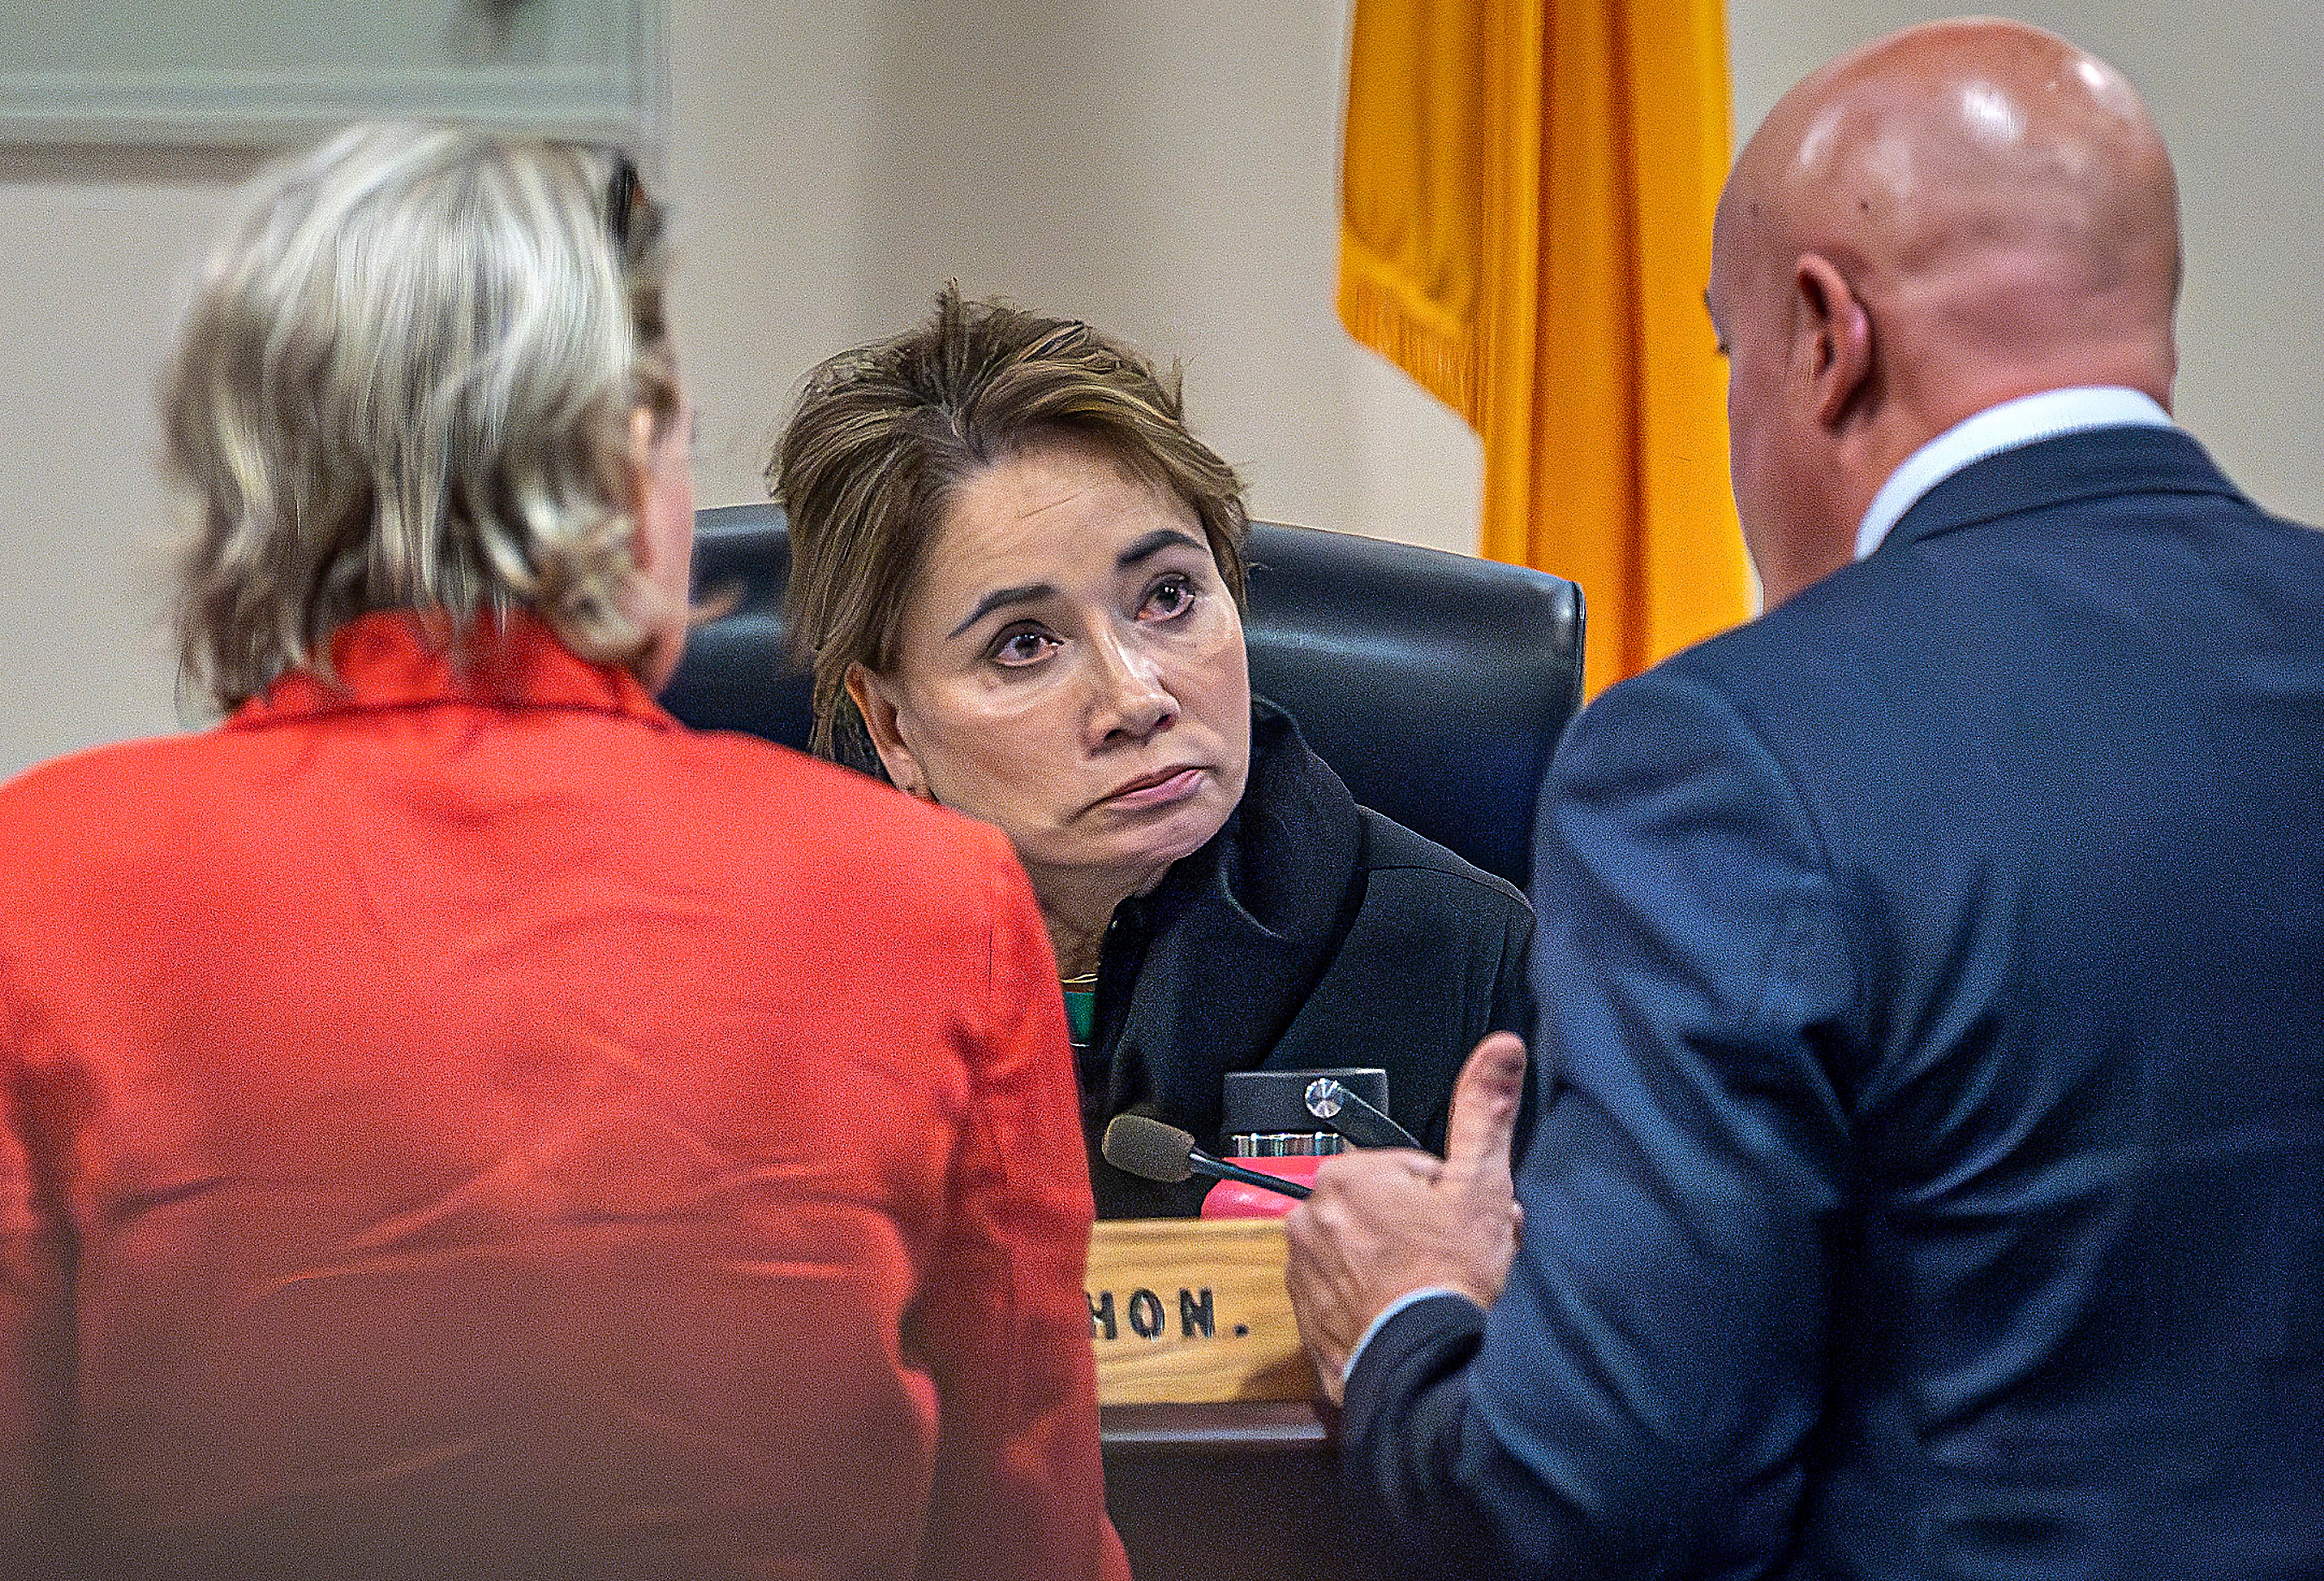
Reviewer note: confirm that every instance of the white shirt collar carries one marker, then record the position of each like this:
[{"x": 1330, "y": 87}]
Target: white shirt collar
[{"x": 2022, "y": 422}]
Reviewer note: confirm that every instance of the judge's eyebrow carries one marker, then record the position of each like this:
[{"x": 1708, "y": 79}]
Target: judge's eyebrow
[
  {"x": 1001, "y": 599},
  {"x": 1143, "y": 549},
  {"x": 1154, "y": 543}
]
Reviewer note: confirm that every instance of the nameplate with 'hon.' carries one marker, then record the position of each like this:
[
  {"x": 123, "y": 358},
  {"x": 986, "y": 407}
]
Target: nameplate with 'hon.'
[{"x": 1191, "y": 1311}]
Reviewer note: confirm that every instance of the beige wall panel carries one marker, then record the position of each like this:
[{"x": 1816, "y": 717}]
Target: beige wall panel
[
  {"x": 93, "y": 247},
  {"x": 1168, "y": 171},
  {"x": 2235, "y": 88}
]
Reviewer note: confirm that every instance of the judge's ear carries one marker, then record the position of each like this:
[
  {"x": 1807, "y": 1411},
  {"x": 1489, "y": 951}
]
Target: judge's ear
[
  {"x": 1832, "y": 340},
  {"x": 874, "y": 701}
]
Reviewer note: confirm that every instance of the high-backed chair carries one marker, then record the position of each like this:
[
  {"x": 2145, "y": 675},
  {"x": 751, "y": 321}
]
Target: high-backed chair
[{"x": 1434, "y": 684}]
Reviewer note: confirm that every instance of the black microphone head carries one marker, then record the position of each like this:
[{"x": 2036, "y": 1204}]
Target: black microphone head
[{"x": 1150, "y": 1149}]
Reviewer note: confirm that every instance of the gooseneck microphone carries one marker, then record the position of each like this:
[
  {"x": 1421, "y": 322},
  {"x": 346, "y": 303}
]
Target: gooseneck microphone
[{"x": 1155, "y": 1149}]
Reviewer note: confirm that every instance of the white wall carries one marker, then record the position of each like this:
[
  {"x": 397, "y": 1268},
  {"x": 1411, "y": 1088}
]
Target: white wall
[
  {"x": 1164, "y": 168},
  {"x": 2236, "y": 86},
  {"x": 92, "y": 247}
]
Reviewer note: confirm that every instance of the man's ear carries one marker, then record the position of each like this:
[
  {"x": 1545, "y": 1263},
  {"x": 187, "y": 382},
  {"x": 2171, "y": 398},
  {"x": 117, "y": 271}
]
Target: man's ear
[
  {"x": 873, "y": 701},
  {"x": 1832, "y": 339}
]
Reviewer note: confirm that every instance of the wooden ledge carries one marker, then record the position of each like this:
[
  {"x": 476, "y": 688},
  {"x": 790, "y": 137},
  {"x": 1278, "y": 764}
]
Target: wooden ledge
[{"x": 1244, "y": 1427}]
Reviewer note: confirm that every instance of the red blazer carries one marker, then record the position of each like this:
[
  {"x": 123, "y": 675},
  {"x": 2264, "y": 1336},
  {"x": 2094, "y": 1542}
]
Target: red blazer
[{"x": 474, "y": 1126}]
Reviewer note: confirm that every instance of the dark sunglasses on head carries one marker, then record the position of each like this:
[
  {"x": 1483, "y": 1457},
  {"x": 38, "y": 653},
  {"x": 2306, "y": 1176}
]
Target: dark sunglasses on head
[{"x": 623, "y": 194}]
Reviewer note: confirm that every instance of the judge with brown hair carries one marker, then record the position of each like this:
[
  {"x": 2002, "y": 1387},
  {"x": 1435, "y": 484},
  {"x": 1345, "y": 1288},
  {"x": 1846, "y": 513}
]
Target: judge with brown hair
[{"x": 1017, "y": 574}]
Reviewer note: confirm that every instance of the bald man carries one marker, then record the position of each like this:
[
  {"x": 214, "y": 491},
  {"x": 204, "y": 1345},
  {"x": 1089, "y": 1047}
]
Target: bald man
[{"x": 1932, "y": 970}]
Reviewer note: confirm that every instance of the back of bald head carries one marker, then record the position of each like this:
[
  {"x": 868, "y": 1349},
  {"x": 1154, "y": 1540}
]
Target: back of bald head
[{"x": 1998, "y": 201}]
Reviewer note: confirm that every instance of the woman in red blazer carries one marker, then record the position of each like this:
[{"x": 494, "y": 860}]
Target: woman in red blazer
[{"x": 457, "y": 1122}]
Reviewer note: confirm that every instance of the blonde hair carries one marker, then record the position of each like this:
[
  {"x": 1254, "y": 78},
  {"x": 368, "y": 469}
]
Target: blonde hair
[
  {"x": 885, "y": 434},
  {"x": 406, "y": 381}
]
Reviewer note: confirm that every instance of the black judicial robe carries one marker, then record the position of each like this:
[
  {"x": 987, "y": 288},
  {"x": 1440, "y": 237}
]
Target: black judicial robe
[{"x": 1309, "y": 932}]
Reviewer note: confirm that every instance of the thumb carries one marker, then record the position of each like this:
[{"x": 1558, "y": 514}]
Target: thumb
[{"x": 1484, "y": 1117}]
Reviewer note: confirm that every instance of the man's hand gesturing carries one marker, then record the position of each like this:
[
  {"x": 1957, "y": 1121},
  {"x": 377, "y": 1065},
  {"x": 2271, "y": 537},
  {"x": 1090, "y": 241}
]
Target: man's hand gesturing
[{"x": 1385, "y": 1222}]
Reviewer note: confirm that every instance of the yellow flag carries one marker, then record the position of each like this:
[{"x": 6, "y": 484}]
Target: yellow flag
[{"x": 1525, "y": 229}]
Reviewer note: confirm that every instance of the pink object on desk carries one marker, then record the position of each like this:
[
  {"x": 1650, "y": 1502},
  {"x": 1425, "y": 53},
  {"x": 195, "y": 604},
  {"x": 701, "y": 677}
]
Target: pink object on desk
[{"x": 1234, "y": 1199}]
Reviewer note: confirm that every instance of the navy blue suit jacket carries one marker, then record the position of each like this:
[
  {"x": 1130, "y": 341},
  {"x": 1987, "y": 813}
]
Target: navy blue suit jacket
[{"x": 1933, "y": 973}]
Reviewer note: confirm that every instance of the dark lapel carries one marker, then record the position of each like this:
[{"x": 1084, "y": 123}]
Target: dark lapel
[
  {"x": 1242, "y": 929},
  {"x": 2092, "y": 465}
]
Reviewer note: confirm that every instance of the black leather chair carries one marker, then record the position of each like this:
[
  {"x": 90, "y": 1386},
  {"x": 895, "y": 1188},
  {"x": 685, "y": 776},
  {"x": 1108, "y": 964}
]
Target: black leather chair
[{"x": 1434, "y": 684}]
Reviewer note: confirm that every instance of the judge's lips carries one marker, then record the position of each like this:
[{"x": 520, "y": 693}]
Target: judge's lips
[{"x": 1153, "y": 1150}]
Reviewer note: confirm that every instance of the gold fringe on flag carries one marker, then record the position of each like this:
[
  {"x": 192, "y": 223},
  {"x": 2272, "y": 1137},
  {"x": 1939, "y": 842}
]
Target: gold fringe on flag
[{"x": 1526, "y": 197}]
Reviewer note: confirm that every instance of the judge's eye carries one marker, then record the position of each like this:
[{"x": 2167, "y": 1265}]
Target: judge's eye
[
  {"x": 1022, "y": 646},
  {"x": 1171, "y": 596}
]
